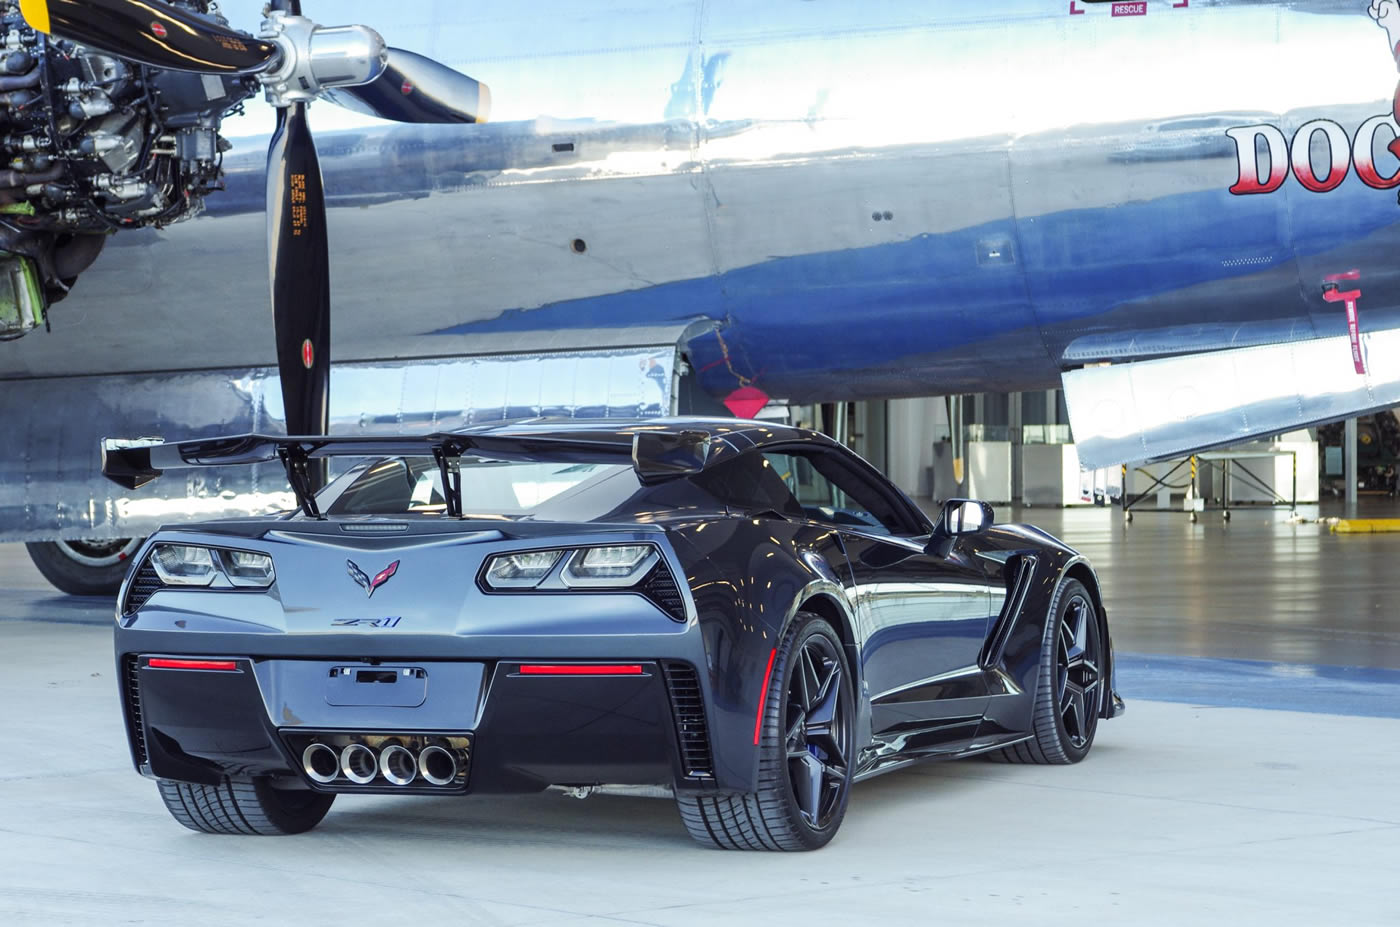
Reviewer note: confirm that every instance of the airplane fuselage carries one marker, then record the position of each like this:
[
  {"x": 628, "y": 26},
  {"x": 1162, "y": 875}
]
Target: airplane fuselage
[{"x": 869, "y": 200}]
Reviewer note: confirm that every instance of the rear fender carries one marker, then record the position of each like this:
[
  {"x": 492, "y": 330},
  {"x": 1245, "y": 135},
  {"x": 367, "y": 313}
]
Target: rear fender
[
  {"x": 749, "y": 577},
  {"x": 830, "y": 600}
]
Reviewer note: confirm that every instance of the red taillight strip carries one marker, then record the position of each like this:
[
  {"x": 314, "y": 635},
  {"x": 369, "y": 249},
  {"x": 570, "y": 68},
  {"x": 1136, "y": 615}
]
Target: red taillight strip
[
  {"x": 763, "y": 696},
  {"x": 581, "y": 669},
  {"x": 168, "y": 663}
]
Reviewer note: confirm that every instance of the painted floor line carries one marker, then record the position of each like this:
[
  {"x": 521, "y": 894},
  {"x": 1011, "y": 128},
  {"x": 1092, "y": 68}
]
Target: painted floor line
[{"x": 1338, "y": 690}]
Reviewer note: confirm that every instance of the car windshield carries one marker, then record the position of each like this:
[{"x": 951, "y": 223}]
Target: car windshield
[{"x": 494, "y": 488}]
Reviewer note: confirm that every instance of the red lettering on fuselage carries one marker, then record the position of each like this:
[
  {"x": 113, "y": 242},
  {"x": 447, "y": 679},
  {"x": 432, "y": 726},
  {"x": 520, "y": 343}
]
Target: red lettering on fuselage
[{"x": 1263, "y": 169}]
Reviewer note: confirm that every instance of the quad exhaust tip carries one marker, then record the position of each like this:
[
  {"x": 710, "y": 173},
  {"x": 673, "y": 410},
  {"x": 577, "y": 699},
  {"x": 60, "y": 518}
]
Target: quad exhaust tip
[
  {"x": 320, "y": 763},
  {"x": 358, "y": 763},
  {"x": 398, "y": 765},
  {"x": 437, "y": 765},
  {"x": 394, "y": 762}
]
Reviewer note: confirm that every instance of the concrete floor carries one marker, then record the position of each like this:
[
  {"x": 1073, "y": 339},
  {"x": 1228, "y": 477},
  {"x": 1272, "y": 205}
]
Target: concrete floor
[
  {"x": 1258, "y": 587},
  {"x": 1190, "y": 809}
]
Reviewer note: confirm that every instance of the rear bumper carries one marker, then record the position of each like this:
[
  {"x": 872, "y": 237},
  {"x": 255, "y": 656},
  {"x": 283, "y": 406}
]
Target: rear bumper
[{"x": 646, "y": 723}]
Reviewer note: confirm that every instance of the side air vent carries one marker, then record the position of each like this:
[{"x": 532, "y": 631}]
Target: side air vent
[
  {"x": 143, "y": 585},
  {"x": 1020, "y": 571},
  {"x": 688, "y": 706},
  {"x": 131, "y": 683},
  {"x": 661, "y": 589}
]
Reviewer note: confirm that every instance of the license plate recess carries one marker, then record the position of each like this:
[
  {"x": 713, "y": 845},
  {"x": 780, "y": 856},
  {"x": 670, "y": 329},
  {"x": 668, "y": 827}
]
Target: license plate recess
[{"x": 361, "y": 684}]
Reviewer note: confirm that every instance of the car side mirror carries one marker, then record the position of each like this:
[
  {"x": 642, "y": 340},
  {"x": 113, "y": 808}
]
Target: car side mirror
[{"x": 959, "y": 518}]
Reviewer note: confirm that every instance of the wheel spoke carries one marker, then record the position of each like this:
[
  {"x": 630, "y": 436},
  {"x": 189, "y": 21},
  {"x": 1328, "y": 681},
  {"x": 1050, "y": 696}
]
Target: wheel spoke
[
  {"x": 832, "y": 680},
  {"x": 811, "y": 682},
  {"x": 1081, "y": 627},
  {"x": 807, "y": 783},
  {"x": 833, "y": 777},
  {"x": 1091, "y": 698},
  {"x": 822, "y": 721},
  {"x": 826, "y": 740},
  {"x": 1073, "y": 633},
  {"x": 824, "y": 711},
  {"x": 799, "y": 722},
  {"x": 1073, "y": 714}
]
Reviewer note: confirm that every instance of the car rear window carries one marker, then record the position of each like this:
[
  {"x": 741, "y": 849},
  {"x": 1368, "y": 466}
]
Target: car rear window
[{"x": 413, "y": 486}]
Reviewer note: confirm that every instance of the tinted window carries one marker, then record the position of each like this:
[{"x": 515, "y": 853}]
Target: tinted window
[
  {"x": 825, "y": 493},
  {"x": 413, "y": 486},
  {"x": 749, "y": 482},
  {"x": 821, "y": 486}
]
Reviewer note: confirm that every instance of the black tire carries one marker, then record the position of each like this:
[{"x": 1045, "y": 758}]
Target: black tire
[
  {"x": 1065, "y": 720},
  {"x": 794, "y": 736},
  {"x": 243, "y": 806},
  {"x": 84, "y": 567}
]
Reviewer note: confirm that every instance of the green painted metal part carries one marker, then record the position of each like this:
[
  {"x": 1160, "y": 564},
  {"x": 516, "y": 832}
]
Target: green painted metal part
[{"x": 21, "y": 296}]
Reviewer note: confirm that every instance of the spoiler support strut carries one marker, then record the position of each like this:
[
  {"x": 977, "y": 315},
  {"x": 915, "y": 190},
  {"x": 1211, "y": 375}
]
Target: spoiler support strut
[
  {"x": 297, "y": 463},
  {"x": 449, "y": 463}
]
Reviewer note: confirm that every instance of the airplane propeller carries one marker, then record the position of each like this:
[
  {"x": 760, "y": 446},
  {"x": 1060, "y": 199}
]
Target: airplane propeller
[{"x": 296, "y": 61}]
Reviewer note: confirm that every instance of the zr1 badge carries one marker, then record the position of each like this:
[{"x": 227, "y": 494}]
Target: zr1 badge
[{"x": 367, "y": 622}]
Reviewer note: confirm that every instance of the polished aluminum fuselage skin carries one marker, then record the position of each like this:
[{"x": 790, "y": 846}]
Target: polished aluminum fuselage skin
[
  {"x": 861, "y": 200},
  {"x": 1049, "y": 193}
]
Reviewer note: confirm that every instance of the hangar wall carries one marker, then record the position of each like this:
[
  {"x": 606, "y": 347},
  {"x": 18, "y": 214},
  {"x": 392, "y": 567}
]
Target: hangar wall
[{"x": 1020, "y": 449}]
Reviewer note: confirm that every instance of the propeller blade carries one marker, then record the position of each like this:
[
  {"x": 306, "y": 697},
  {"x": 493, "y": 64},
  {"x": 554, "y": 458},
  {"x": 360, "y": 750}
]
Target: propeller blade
[
  {"x": 152, "y": 33},
  {"x": 417, "y": 89},
  {"x": 299, "y": 264}
]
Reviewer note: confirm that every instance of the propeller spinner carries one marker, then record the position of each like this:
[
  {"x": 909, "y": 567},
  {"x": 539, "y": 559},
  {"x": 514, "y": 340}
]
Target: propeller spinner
[{"x": 296, "y": 61}]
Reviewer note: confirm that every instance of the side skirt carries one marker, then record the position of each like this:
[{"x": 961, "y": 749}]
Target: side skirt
[{"x": 903, "y": 763}]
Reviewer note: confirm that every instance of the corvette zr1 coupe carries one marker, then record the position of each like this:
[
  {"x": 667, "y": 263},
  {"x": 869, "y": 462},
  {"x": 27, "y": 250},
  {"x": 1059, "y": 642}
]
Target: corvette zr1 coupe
[{"x": 746, "y": 613}]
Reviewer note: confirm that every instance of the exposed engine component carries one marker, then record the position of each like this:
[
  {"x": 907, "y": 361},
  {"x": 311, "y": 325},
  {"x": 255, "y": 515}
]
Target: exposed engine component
[{"x": 92, "y": 144}]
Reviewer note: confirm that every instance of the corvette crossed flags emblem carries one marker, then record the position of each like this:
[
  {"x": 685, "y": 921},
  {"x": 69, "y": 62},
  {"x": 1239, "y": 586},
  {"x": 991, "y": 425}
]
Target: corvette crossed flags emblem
[{"x": 369, "y": 585}]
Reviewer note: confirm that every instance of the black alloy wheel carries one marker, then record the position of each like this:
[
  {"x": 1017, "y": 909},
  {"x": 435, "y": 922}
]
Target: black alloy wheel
[
  {"x": 805, "y": 753},
  {"x": 1070, "y": 688},
  {"x": 1078, "y": 672},
  {"x": 816, "y": 720}
]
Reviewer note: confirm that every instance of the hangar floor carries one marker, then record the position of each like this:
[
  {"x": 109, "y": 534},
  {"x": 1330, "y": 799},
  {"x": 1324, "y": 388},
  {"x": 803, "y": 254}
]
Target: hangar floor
[{"x": 1251, "y": 782}]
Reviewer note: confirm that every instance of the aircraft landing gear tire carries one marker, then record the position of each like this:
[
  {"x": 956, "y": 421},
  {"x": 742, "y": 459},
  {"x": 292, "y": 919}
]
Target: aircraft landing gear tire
[{"x": 94, "y": 567}]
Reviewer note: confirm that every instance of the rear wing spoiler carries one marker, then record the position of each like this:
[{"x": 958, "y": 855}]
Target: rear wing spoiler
[{"x": 655, "y": 455}]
